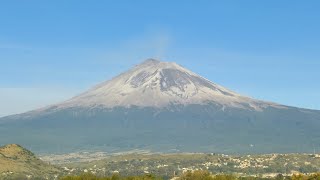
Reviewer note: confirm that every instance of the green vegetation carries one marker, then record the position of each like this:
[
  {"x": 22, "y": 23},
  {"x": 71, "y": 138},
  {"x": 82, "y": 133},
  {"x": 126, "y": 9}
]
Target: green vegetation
[
  {"x": 203, "y": 175},
  {"x": 17, "y": 162},
  {"x": 195, "y": 175},
  {"x": 167, "y": 165},
  {"x": 89, "y": 176}
]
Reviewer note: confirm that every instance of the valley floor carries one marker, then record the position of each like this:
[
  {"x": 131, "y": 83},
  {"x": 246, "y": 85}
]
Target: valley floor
[
  {"x": 170, "y": 165},
  {"x": 25, "y": 165}
]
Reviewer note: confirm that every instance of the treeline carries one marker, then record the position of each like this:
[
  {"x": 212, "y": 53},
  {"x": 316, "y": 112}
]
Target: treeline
[
  {"x": 204, "y": 175},
  {"x": 113, "y": 177},
  {"x": 196, "y": 175}
]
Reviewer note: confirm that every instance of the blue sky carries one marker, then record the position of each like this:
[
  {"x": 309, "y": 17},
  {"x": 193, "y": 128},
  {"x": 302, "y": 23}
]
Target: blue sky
[{"x": 53, "y": 50}]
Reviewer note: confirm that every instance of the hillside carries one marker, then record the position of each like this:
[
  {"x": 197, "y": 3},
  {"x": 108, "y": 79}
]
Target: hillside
[{"x": 17, "y": 162}]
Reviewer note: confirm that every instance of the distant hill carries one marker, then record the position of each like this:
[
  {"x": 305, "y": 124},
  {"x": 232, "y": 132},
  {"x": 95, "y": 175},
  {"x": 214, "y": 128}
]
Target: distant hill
[
  {"x": 164, "y": 107},
  {"x": 17, "y": 162}
]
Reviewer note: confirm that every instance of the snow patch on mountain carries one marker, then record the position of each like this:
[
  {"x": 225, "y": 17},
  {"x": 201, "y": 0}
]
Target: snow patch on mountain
[{"x": 159, "y": 84}]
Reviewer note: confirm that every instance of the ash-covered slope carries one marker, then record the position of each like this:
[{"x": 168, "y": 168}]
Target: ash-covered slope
[
  {"x": 160, "y": 84},
  {"x": 161, "y": 106}
]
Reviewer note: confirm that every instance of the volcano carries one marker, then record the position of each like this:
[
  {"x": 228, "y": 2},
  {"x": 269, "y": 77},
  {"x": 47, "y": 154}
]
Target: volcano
[
  {"x": 164, "y": 107},
  {"x": 159, "y": 84}
]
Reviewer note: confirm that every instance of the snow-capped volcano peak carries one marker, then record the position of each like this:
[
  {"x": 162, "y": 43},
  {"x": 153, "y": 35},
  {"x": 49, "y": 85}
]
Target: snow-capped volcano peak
[{"x": 154, "y": 83}]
